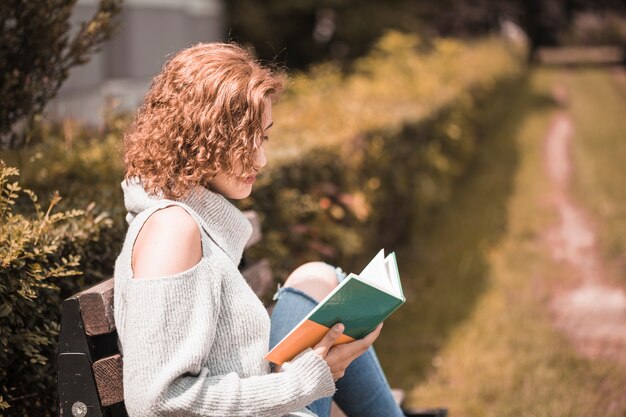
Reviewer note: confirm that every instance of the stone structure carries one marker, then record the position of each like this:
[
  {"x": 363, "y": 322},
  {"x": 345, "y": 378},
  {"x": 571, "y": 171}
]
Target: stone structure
[{"x": 149, "y": 31}]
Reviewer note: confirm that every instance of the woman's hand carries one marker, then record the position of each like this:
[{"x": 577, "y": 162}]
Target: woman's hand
[{"x": 339, "y": 357}]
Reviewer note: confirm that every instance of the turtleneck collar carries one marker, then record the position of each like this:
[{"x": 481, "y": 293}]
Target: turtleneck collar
[{"x": 225, "y": 224}]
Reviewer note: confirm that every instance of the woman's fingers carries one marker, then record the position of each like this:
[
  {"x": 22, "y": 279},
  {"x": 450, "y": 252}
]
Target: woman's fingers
[
  {"x": 351, "y": 351},
  {"x": 339, "y": 357},
  {"x": 330, "y": 337}
]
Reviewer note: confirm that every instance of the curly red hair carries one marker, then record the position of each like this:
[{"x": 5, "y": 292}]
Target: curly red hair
[{"x": 202, "y": 113}]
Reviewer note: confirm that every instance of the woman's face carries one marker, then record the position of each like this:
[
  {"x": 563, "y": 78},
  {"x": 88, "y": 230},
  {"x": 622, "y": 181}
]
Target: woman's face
[{"x": 231, "y": 186}]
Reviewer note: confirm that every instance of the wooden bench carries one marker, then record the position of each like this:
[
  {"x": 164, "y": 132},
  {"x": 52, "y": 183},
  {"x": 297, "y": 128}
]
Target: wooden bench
[{"x": 89, "y": 378}]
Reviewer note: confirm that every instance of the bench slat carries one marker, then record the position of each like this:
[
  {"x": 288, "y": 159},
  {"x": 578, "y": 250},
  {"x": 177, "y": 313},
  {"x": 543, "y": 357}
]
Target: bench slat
[
  {"x": 108, "y": 375},
  {"x": 96, "y": 308}
]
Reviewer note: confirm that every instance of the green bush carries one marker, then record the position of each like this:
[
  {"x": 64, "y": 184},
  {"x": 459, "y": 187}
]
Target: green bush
[
  {"x": 37, "y": 251},
  {"x": 86, "y": 164}
]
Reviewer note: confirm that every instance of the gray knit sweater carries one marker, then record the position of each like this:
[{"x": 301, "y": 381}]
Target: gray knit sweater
[{"x": 193, "y": 343}]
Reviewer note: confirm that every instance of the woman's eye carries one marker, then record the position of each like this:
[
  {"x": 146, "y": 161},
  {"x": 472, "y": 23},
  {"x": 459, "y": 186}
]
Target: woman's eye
[{"x": 265, "y": 138}]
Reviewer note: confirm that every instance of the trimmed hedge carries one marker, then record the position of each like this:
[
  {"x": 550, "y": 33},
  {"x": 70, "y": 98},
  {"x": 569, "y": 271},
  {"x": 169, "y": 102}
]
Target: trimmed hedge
[{"x": 401, "y": 82}]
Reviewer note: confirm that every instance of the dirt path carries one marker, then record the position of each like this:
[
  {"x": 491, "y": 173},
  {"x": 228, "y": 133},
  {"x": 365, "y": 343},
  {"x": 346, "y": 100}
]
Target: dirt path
[{"x": 591, "y": 312}]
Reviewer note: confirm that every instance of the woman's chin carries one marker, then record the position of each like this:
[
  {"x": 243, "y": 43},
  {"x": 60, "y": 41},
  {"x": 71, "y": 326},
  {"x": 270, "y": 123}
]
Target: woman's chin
[
  {"x": 234, "y": 189},
  {"x": 240, "y": 193}
]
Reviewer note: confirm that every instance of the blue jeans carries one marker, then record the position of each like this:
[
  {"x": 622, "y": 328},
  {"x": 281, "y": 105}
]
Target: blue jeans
[{"x": 363, "y": 391}]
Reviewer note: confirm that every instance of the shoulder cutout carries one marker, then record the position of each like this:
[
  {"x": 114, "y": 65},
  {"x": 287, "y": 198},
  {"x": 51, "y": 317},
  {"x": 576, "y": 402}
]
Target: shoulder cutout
[{"x": 169, "y": 242}]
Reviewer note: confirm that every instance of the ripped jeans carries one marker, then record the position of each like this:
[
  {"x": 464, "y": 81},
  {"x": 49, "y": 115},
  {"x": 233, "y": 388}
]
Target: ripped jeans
[{"x": 363, "y": 391}]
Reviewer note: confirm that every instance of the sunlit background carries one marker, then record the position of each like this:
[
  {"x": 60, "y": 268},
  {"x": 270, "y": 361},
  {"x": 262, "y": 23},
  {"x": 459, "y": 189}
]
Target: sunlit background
[{"x": 483, "y": 141}]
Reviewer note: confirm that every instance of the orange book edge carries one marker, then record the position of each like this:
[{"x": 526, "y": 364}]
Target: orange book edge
[{"x": 307, "y": 334}]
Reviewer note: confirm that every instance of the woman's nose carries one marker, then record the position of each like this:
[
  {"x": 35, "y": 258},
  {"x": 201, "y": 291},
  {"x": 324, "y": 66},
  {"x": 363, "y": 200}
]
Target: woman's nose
[{"x": 260, "y": 159}]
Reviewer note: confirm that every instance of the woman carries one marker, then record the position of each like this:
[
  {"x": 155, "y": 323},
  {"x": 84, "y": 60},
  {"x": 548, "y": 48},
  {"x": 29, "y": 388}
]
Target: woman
[{"x": 192, "y": 332}]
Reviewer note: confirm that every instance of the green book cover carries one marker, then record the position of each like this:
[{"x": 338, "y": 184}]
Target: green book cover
[
  {"x": 358, "y": 305},
  {"x": 360, "y": 302}
]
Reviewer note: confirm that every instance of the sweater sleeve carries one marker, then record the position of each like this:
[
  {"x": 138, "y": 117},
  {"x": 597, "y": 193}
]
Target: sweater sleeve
[{"x": 167, "y": 325}]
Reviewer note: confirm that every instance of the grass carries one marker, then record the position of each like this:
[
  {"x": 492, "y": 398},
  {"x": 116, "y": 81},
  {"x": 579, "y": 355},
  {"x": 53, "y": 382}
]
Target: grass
[
  {"x": 598, "y": 106},
  {"x": 475, "y": 335}
]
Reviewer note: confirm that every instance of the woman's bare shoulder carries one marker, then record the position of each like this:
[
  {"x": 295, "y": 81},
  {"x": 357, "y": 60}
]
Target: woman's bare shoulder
[{"x": 169, "y": 242}]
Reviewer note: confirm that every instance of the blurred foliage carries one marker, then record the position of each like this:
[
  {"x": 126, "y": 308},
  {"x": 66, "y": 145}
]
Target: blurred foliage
[
  {"x": 37, "y": 250},
  {"x": 399, "y": 82},
  {"x": 355, "y": 159},
  {"x": 595, "y": 29},
  {"x": 85, "y": 162},
  {"x": 36, "y": 54},
  {"x": 312, "y": 31}
]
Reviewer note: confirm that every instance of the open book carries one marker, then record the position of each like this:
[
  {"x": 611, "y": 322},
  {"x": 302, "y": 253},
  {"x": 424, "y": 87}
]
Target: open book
[{"x": 360, "y": 302}]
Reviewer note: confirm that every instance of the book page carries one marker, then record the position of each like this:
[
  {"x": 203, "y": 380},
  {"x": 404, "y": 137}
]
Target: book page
[
  {"x": 394, "y": 274},
  {"x": 375, "y": 273}
]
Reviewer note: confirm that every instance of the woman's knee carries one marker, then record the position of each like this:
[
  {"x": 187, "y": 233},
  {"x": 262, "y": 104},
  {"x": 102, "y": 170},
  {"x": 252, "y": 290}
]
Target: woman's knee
[{"x": 316, "y": 279}]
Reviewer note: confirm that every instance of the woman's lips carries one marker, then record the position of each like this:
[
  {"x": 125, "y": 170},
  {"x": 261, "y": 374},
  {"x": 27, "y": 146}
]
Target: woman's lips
[{"x": 250, "y": 179}]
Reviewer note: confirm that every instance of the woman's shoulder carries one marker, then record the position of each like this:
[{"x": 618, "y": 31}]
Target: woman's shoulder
[
  {"x": 173, "y": 217},
  {"x": 168, "y": 243}
]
